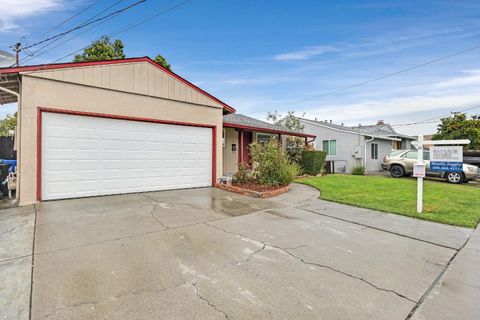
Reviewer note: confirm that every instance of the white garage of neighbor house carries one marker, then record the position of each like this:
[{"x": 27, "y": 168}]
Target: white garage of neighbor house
[{"x": 110, "y": 127}]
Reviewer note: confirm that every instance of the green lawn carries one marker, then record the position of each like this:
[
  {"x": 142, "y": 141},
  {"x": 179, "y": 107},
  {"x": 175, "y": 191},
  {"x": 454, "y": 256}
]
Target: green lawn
[{"x": 446, "y": 203}]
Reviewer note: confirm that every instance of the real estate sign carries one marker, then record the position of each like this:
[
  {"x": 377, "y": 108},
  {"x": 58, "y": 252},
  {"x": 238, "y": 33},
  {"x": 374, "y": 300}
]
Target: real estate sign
[{"x": 446, "y": 158}]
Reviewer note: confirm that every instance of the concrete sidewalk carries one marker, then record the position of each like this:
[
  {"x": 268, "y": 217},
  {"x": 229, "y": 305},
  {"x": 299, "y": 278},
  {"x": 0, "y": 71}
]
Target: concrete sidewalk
[{"x": 457, "y": 294}]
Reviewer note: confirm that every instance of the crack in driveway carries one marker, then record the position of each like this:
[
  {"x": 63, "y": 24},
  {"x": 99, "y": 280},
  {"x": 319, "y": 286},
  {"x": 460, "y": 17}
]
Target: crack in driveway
[{"x": 286, "y": 250}]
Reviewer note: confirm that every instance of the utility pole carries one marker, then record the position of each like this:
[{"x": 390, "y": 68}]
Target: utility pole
[{"x": 18, "y": 45}]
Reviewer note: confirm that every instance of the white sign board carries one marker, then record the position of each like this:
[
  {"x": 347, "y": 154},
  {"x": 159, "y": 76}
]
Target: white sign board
[
  {"x": 446, "y": 153},
  {"x": 419, "y": 170}
]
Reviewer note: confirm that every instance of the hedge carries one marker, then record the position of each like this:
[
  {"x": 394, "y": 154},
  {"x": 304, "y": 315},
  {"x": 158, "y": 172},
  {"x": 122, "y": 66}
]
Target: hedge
[{"x": 313, "y": 161}]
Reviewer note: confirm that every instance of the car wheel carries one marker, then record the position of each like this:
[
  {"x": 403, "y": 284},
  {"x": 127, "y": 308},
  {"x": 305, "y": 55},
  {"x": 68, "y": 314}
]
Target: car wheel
[
  {"x": 397, "y": 171},
  {"x": 454, "y": 177}
]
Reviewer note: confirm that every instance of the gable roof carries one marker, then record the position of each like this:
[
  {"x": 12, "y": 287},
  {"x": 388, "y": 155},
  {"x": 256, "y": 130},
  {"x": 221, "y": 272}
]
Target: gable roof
[
  {"x": 35, "y": 68},
  {"x": 369, "y": 131},
  {"x": 241, "y": 121},
  {"x": 381, "y": 130}
]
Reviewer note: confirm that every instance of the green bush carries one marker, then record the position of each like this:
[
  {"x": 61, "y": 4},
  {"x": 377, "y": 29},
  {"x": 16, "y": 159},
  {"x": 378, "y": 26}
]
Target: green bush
[
  {"x": 358, "y": 171},
  {"x": 294, "y": 147},
  {"x": 271, "y": 164},
  {"x": 313, "y": 161},
  {"x": 244, "y": 173}
]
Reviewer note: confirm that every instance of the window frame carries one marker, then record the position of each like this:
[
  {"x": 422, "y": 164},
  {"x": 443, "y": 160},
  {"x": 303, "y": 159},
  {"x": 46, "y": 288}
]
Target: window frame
[
  {"x": 374, "y": 151},
  {"x": 329, "y": 147},
  {"x": 270, "y": 135}
]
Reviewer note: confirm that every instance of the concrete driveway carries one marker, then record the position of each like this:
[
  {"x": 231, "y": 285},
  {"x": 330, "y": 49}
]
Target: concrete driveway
[{"x": 210, "y": 254}]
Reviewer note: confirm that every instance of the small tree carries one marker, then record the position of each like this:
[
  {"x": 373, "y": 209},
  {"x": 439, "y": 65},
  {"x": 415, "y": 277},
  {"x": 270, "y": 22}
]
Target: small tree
[
  {"x": 102, "y": 49},
  {"x": 271, "y": 164},
  {"x": 294, "y": 145},
  {"x": 8, "y": 124},
  {"x": 458, "y": 126},
  {"x": 163, "y": 62}
]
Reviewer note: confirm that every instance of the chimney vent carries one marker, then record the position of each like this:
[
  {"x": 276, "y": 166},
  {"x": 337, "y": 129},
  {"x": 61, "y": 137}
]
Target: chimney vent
[
  {"x": 342, "y": 124},
  {"x": 380, "y": 122},
  {"x": 359, "y": 125},
  {"x": 315, "y": 118},
  {"x": 330, "y": 121},
  {"x": 326, "y": 121}
]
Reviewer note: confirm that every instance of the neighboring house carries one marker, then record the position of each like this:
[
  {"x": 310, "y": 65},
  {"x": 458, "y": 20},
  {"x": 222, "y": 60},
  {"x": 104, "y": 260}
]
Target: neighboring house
[
  {"x": 346, "y": 147},
  {"x": 119, "y": 126}
]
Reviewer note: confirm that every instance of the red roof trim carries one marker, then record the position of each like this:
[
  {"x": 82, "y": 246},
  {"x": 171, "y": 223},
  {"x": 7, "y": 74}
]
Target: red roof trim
[
  {"x": 238, "y": 126},
  {"x": 108, "y": 62}
]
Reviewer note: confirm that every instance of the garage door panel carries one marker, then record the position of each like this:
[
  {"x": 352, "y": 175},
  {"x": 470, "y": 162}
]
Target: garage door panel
[{"x": 88, "y": 156}]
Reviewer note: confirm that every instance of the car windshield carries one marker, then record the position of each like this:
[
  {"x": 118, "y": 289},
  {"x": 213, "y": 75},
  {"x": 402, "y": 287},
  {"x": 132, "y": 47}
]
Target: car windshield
[
  {"x": 395, "y": 153},
  {"x": 414, "y": 155}
]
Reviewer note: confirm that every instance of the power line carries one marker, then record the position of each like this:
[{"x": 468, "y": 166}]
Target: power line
[
  {"x": 388, "y": 75},
  {"x": 87, "y": 24},
  {"x": 434, "y": 119},
  {"x": 69, "y": 19},
  {"x": 37, "y": 54},
  {"x": 122, "y": 30}
]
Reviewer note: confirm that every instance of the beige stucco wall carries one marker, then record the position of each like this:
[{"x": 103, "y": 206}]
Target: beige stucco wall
[
  {"x": 40, "y": 92},
  {"x": 230, "y": 158}
]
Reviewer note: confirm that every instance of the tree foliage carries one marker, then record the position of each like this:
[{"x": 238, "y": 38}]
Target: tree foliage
[
  {"x": 271, "y": 164},
  {"x": 8, "y": 124},
  {"x": 105, "y": 49},
  {"x": 459, "y": 126},
  {"x": 289, "y": 121},
  {"x": 163, "y": 62},
  {"x": 102, "y": 49},
  {"x": 294, "y": 145}
]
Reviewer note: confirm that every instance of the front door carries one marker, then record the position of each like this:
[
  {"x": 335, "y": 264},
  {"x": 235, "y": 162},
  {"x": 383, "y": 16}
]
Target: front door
[{"x": 246, "y": 141}]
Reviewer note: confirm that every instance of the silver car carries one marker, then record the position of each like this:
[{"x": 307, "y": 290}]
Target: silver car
[{"x": 400, "y": 163}]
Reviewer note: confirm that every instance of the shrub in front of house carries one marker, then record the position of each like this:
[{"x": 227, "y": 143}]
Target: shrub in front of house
[
  {"x": 358, "y": 171},
  {"x": 313, "y": 161},
  {"x": 271, "y": 164},
  {"x": 244, "y": 173}
]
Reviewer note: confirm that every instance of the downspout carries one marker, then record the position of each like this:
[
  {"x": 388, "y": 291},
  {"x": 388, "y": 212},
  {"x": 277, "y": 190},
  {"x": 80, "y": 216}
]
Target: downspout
[
  {"x": 17, "y": 137},
  {"x": 365, "y": 154}
]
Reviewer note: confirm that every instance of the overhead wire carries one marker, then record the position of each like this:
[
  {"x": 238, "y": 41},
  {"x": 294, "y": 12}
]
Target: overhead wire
[
  {"x": 122, "y": 30},
  {"x": 38, "y": 52}
]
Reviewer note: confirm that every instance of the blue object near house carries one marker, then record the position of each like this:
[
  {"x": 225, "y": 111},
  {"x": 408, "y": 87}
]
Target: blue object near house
[
  {"x": 11, "y": 163},
  {"x": 447, "y": 166}
]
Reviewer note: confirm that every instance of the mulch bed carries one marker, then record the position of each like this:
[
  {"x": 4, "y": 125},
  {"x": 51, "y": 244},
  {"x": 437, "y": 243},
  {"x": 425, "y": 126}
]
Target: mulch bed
[{"x": 254, "y": 189}]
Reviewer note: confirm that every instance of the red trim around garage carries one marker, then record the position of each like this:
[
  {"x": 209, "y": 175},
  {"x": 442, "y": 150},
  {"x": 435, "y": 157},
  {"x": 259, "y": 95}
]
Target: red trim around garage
[
  {"x": 41, "y": 110},
  {"x": 107, "y": 62},
  {"x": 238, "y": 126}
]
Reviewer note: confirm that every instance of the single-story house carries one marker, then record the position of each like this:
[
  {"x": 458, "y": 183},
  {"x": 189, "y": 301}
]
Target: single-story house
[
  {"x": 349, "y": 147},
  {"x": 118, "y": 126},
  {"x": 239, "y": 131}
]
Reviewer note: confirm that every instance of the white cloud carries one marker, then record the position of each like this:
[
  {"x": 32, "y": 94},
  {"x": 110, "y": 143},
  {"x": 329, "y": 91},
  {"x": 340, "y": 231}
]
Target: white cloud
[
  {"x": 12, "y": 10},
  {"x": 306, "y": 53}
]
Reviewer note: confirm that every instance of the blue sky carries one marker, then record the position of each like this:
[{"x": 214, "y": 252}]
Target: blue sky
[{"x": 260, "y": 56}]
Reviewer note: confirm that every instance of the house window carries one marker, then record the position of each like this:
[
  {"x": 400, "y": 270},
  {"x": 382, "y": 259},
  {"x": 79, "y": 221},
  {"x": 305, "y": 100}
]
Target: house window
[
  {"x": 263, "y": 138},
  {"x": 374, "y": 148},
  {"x": 330, "y": 147}
]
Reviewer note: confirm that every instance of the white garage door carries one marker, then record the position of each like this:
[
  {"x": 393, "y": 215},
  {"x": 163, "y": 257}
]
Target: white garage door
[{"x": 89, "y": 156}]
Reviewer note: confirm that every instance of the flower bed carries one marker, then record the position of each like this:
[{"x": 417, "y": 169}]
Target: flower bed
[{"x": 254, "y": 189}]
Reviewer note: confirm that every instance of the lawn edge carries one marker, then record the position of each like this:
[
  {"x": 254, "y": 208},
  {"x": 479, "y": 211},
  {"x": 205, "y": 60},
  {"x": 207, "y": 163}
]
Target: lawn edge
[{"x": 380, "y": 210}]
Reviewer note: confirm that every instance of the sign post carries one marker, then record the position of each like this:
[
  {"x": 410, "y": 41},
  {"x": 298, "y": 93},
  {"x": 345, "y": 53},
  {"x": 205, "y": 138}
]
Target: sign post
[{"x": 442, "y": 158}]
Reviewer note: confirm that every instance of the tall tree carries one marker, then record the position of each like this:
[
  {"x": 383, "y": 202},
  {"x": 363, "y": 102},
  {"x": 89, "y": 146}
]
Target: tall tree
[
  {"x": 459, "y": 126},
  {"x": 163, "y": 62},
  {"x": 102, "y": 49},
  {"x": 8, "y": 124}
]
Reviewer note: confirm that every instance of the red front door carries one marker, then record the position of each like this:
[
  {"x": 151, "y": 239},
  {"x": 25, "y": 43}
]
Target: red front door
[{"x": 247, "y": 139}]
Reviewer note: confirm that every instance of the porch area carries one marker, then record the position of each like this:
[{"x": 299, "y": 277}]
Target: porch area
[{"x": 240, "y": 131}]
